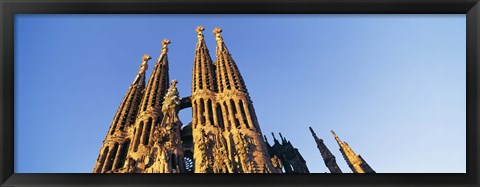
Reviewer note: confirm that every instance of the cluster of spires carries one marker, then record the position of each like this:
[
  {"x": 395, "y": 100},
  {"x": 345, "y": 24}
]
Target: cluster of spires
[
  {"x": 145, "y": 138},
  {"x": 134, "y": 128}
]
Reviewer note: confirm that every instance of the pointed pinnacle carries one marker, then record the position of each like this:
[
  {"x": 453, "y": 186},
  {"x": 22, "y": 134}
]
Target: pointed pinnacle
[
  {"x": 146, "y": 57},
  {"x": 281, "y": 137},
  {"x": 218, "y": 36},
  {"x": 273, "y": 135},
  {"x": 199, "y": 30},
  {"x": 311, "y": 130},
  {"x": 333, "y": 133},
  {"x": 165, "y": 43},
  {"x": 336, "y": 138}
]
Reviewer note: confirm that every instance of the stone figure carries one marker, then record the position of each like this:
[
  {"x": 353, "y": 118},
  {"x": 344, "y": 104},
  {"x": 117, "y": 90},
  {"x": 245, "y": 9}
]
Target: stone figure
[{"x": 171, "y": 103}]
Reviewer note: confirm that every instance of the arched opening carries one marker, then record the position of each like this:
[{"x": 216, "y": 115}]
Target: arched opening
[
  {"x": 137, "y": 138},
  {"x": 123, "y": 154},
  {"x": 202, "y": 112},
  {"x": 111, "y": 157},
  {"x": 210, "y": 111},
  {"x": 146, "y": 136},
  {"x": 234, "y": 114},
  {"x": 102, "y": 160},
  {"x": 244, "y": 115},
  {"x": 227, "y": 113},
  {"x": 219, "y": 115}
]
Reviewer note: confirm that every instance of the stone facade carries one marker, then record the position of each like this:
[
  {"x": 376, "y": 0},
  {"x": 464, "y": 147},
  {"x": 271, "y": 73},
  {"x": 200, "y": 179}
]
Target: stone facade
[
  {"x": 224, "y": 136},
  {"x": 146, "y": 135}
]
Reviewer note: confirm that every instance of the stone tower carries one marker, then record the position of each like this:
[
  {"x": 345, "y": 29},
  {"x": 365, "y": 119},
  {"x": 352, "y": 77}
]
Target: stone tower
[
  {"x": 248, "y": 151},
  {"x": 354, "y": 161},
  {"x": 210, "y": 151},
  {"x": 328, "y": 157},
  {"x": 226, "y": 134},
  {"x": 149, "y": 112},
  {"x": 117, "y": 142},
  {"x": 285, "y": 156}
]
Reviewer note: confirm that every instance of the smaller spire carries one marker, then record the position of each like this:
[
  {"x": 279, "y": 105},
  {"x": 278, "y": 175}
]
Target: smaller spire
[
  {"x": 314, "y": 135},
  {"x": 282, "y": 138},
  {"x": 274, "y": 139},
  {"x": 199, "y": 31}
]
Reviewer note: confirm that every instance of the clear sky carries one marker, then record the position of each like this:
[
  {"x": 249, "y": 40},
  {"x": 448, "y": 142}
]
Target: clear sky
[{"x": 392, "y": 86}]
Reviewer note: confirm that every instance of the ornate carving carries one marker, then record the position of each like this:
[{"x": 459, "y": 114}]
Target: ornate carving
[
  {"x": 171, "y": 103},
  {"x": 199, "y": 30},
  {"x": 165, "y": 43},
  {"x": 145, "y": 58},
  {"x": 218, "y": 36},
  {"x": 130, "y": 165}
]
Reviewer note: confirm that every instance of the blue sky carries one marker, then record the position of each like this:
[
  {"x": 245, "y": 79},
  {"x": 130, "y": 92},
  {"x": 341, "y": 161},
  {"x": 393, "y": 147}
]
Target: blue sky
[{"x": 392, "y": 86}]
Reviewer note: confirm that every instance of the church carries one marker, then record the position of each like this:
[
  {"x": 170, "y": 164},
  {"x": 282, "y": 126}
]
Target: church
[{"x": 224, "y": 136}]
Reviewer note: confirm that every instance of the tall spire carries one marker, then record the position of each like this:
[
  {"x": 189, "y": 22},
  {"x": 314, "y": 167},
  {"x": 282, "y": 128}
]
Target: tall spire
[
  {"x": 241, "y": 125},
  {"x": 113, "y": 152},
  {"x": 158, "y": 82},
  {"x": 203, "y": 77},
  {"x": 328, "y": 157},
  {"x": 354, "y": 161},
  {"x": 210, "y": 148},
  {"x": 150, "y": 115},
  {"x": 228, "y": 75}
]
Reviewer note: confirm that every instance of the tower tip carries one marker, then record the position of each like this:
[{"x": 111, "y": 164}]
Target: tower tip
[
  {"x": 174, "y": 82},
  {"x": 199, "y": 31},
  {"x": 217, "y": 30},
  {"x": 165, "y": 43},
  {"x": 146, "y": 57},
  {"x": 273, "y": 135},
  {"x": 218, "y": 36}
]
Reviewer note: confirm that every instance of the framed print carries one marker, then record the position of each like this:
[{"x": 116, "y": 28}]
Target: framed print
[{"x": 239, "y": 93}]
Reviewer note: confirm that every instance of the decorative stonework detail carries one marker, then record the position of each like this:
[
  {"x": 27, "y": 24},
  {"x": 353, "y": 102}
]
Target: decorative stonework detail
[
  {"x": 224, "y": 136},
  {"x": 199, "y": 31},
  {"x": 165, "y": 43}
]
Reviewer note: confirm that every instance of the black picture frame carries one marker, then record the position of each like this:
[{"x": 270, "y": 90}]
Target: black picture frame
[{"x": 8, "y": 9}]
